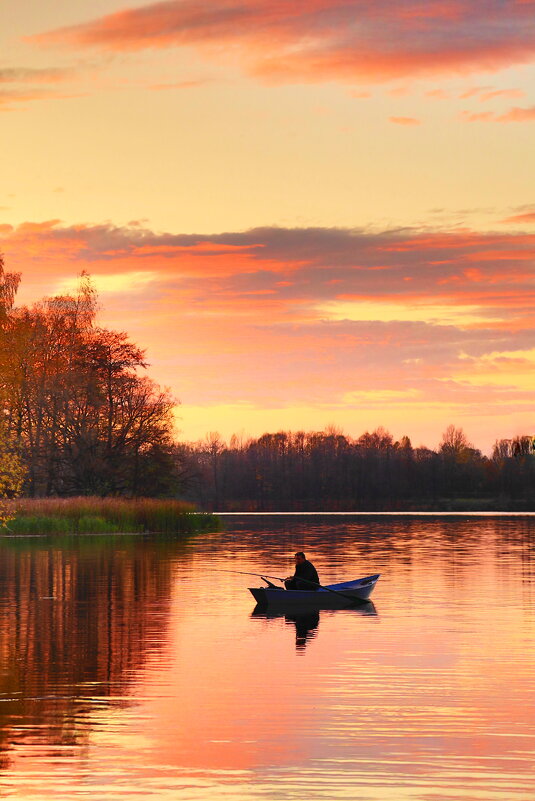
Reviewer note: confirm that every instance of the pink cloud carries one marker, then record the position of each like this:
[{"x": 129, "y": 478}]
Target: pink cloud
[
  {"x": 350, "y": 40},
  {"x": 513, "y": 115},
  {"x": 473, "y": 91},
  {"x": 297, "y": 268},
  {"x": 496, "y": 93},
  {"x": 242, "y": 316}
]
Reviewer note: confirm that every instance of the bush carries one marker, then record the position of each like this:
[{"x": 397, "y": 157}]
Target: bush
[
  {"x": 107, "y": 516},
  {"x": 39, "y": 524},
  {"x": 91, "y": 524}
]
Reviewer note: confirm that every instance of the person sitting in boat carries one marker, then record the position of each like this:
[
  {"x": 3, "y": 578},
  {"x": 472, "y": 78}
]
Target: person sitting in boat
[{"x": 305, "y": 576}]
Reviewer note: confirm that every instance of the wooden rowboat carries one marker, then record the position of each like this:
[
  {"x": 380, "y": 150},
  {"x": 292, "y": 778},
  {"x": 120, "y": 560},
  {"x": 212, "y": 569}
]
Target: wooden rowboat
[{"x": 330, "y": 596}]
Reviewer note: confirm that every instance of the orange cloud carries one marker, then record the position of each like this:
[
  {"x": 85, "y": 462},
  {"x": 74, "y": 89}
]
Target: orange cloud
[
  {"x": 501, "y": 93},
  {"x": 473, "y": 91},
  {"x": 348, "y": 41},
  {"x": 8, "y": 97},
  {"x": 515, "y": 114},
  {"x": 487, "y": 93},
  {"x": 27, "y": 84},
  {"x": 528, "y": 217},
  {"x": 340, "y": 269},
  {"x": 438, "y": 94},
  {"x": 292, "y": 270},
  {"x": 308, "y": 318},
  {"x": 518, "y": 115},
  {"x": 479, "y": 116}
]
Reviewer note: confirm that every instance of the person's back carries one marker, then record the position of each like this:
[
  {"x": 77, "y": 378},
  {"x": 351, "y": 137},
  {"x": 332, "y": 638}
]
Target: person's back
[
  {"x": 305, "y": 576},
  {"x": 306, "y": 570}
]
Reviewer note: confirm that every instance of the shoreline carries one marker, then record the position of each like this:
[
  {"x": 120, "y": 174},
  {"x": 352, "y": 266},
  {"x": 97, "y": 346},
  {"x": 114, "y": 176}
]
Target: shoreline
[{"x": 436, "y": 513}]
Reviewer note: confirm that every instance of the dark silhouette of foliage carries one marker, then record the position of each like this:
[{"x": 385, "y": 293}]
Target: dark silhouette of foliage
[
  {"x": 326, "y": 470},
  {"x": 83, "y": 417}
]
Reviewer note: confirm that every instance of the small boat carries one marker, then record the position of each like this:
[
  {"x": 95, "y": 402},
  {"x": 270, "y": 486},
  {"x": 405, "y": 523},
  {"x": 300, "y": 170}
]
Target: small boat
[{"x": 331, "y": 596}]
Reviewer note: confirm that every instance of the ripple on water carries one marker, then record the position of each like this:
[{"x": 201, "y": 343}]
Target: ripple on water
[{"x": 148, "y": 675}]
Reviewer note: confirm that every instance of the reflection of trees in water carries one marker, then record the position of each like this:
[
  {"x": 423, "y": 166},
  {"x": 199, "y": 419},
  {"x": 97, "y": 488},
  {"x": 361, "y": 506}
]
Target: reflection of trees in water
[
  {"x": 363, "y": 541},
  {"x": 75, "y": 624}
]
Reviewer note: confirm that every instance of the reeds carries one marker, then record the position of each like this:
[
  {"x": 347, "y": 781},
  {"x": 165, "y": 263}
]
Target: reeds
[{"x": 89, "y": 515}]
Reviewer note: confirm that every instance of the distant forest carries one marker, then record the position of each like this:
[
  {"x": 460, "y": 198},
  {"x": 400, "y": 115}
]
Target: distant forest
[
  {"x": 332, "y": 472},
  {"x": 80, "y": 417}
]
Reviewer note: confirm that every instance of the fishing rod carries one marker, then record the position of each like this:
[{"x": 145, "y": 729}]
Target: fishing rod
[
  {"x": 245, "y": 573},
  {"x": 306, "y": 581}
]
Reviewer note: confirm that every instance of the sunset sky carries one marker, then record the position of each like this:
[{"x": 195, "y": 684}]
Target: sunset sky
[{"x": 309, "y": 213}]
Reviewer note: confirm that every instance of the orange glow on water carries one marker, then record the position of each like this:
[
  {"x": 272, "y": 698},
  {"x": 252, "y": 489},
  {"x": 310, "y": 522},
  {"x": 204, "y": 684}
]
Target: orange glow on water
[{"x": 147, "y": 668}]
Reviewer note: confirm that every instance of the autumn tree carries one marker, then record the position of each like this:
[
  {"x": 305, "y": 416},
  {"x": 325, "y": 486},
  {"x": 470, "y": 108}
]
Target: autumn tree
[
  {"x": 84, "y": 416},
  {"x": 12, "y": 474},
  {"x": 12, "y": 470}
]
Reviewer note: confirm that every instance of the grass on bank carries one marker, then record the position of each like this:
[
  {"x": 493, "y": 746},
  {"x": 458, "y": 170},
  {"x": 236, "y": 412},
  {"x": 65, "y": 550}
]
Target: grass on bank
[{"x": 106, "y": 516}]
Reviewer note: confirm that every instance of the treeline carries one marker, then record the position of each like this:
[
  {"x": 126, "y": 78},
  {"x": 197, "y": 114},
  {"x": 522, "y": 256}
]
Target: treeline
[
  {"x": 78, "y": 415},
  {"x": 330, "y": 471}
]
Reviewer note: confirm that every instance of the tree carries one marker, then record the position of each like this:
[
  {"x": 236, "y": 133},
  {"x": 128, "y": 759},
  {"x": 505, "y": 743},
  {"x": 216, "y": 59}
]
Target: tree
[
  {"x": 9, "y": 283},
  {"x": 463, "y": 465},
  {"x": 84, "y": 418},
  {"x": 11, "y": 468},
  {"x": 12, "y": 474},
  {"x": 454, "y": 441}
]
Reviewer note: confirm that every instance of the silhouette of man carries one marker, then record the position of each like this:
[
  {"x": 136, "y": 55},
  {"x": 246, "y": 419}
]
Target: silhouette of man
[
  {"x": 305, "y": 628},
  {"x": 305, "y": 576}
]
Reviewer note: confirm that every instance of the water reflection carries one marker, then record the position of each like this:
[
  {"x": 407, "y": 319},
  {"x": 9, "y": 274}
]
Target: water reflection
[
  {"x": 306, "y": 622},
  {"x": 134, "y": 669},
  {"x": 76, "y": 624},
  {"x": 305, "y": 627}
]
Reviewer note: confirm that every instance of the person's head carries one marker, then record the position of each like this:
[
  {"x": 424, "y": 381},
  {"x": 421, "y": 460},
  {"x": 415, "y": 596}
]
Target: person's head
[{"x": 299, "y": 557}]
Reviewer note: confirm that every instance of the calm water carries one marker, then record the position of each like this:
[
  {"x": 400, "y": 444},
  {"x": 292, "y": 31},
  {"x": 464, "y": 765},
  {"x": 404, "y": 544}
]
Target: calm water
[{"x": 134, "y": 669}]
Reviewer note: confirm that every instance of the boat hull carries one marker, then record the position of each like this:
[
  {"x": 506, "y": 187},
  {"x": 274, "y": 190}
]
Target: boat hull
[{"x": 334, "y": 596}]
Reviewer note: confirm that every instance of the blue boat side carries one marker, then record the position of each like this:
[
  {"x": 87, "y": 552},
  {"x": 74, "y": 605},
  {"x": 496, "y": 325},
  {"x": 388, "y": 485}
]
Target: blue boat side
[
  {"x": 350, "y": 585},
  {"x": 359, "y": 589}
]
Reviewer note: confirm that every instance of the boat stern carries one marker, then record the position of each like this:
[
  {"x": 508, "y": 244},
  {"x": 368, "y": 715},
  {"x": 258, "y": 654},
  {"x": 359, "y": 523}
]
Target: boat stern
[{"x": 261, "y": 596}]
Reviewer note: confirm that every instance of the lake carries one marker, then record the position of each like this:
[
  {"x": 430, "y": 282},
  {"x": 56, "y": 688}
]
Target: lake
[{"x": 132, "y": 668}]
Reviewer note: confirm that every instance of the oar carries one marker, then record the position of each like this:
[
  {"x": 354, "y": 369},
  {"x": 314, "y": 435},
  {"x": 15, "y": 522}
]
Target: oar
[
  {"x": 307, "y": 581},
  {"x": 322, "y": 587}
]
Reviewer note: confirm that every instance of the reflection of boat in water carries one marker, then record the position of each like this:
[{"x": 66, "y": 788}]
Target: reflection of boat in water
[
  {"x": 306, "y": 621},
  {"x": 271, "y": 613},
  {"x": 332, "y": 596}
]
